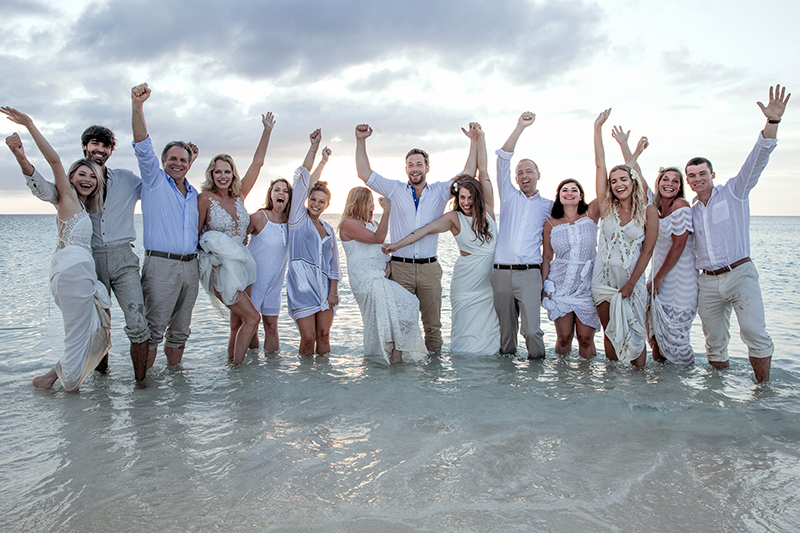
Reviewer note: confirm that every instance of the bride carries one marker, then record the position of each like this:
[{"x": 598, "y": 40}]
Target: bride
[
  {"x": 389, "y": 312},
  {"x": 83, "y": 300}
]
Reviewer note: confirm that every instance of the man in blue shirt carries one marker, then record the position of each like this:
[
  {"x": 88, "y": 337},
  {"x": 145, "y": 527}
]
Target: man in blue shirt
[{"x": 170, "y": 216}]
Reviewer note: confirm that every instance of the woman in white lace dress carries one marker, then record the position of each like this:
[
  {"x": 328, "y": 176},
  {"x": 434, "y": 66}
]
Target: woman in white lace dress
[
  {"x": 312, "y": 280},
  {"x": 227, "y": 268},
  {"x": 569, "y": 246},
  {"x": 673, "y": 276},
  {"x": 269, "y": 244},
  {"x": 83, "y": 300},
  {"x": 475, "y": 328},
  {"x": 388, "y": 311},
  {"x": 628, "y": 233}
]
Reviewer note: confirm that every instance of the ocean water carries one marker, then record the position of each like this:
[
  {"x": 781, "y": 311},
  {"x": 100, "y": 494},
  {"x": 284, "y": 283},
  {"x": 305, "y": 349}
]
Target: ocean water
[{"x": 284, "y": 443}]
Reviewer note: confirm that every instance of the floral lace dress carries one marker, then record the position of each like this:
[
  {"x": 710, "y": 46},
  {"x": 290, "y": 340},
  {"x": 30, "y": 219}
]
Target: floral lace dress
[
  {"x": 226, "y": 264},
  {"x": 83, "y": 300},
  {"x": 388, "y": 311}
]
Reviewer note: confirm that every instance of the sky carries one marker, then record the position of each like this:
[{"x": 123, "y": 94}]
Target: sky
[{"x": 687, "y": 74}]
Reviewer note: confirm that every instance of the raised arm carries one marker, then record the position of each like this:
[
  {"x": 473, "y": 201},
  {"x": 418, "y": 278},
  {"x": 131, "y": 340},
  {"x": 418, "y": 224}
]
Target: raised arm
[
  {"x": 362, "y": 161},
  {"x": 326, "y": 153},
  {"x": 250, "y": 177},
  {"x": 15, "y": 145},
  {"x": 139, "y": 96},
  {"x": 315, "y": 138},
  {"x": 483, "y": 171},
  {"x": 446, "y": 222},
  {"x": 525, "y": 120},
  {"x": 633, "y": 160},
  {"x": 774, "y": 110},
  {"x": 471, "y": 166},
  {"x": 601, "y": 174},
  {"x": 354, "y": 230}
]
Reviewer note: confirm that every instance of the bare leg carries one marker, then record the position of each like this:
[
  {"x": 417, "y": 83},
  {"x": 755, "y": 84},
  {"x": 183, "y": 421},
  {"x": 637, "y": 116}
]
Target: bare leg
[
  {"x": 324, "y": 323},
  {"x": 272, "y": 341},
  {"x": 139, "y": 356},
  {"x": 307, "y": 326},
  {"x": 151, "y": 357},
  {"x": 761, "y": 367},
  {"x": 565, "y": 326},
  {"x": 235, "y": 323},
  {"x": 585, "y": 336},
  {"x": 603, "y": 312},
  {"x": 102, "y": 366},
  {"x": 640, "y": 361},
  {"x": 254, "y": 342},
  {"x": 46, "y": 381},
  {"x": 247, "y": 318},
  {"x": 174, "y": 355},
  {"x": 720, "y": 365},
  {"x": 656, "y": 351},
  {"x": 396, "y": 357}
]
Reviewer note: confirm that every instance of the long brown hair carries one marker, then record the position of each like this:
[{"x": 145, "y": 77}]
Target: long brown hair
[
  {"x": 268, "y": 203},
  {"x": 480, "y": 226},
  {"x": 657, "y": 200}
]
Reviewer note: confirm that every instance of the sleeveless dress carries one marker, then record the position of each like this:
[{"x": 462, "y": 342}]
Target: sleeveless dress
[
  {"x": 388, "y": 311},
  {"x": 670, "y": 313},
  {"x": 569, "y": 282},
  {"x": 617, "y": 252},
  {"x": 475, "y": 327},
  {"x": 83, "y": 300},
  {"x": 313, "y": 261},
  {"x": 270, "y": 250},
  {"x": 225, "y": 263}
]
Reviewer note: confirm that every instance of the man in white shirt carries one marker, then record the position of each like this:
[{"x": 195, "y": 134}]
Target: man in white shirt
[
  {"x": 517, "y": 274},
  {"x": 721, "y": 220},
  {"x": 415, "y": 202},
  {"x": 116, "y": 265}
]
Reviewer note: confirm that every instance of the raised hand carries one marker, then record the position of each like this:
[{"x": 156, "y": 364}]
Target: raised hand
[
  {"x": 326, "y": 153},
  {"x": 363, "y": 131},
  {"x": 472, "y": 132},
  {"x": 602, "y": 117},
  {"x": 619, "y": 134},
  {"x": 195, "y": 152},
  {"x": 15, "y": 145},
  {"x": 315, "y": 137},
  {"x": 777, "y": 103},
  {"x": 526, "y": 119},
  {"x": 385, "y": 204},
  {"x": 140, "y": 93},
  {"x": 642, "y": 145},
  {"x": 268, "y": 120},
  {"x": 17, "y": 117}
]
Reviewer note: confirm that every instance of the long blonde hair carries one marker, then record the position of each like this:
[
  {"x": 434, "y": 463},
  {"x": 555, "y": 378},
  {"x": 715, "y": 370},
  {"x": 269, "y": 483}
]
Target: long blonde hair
[
  {"x": 638, "y": 198},
  {"x": 657, "y": 200},
  {"x": 235, "y": 187},
  {"x": 357, "y": 204},
  {"x": 94, "y": 201}
]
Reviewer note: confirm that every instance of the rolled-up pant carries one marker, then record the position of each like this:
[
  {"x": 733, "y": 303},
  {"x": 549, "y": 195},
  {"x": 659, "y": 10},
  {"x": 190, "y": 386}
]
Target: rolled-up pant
[
  {"x": 170, "y": 290},
  {"x": 738, "y": 290},
  {"x": 518, "y": 296},
  {"x": 117, "y": 268},
  {"x": 425, "y": 282}
]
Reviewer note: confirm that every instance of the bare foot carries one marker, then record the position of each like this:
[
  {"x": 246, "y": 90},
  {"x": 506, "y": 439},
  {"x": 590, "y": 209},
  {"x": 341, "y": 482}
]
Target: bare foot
[
  {"x": 397, "y": 356},
  {"x": 46, "y": 381}
]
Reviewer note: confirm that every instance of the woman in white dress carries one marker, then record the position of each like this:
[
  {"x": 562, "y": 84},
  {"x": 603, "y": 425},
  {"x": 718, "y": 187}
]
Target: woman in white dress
[
  {"x": 83, "y": 300},
  {"x": 475, "y": 328},
  {"x": 673, "y": 276},
  {"x": 388, "y": 311},
  {"x": 269, "y": 244},
  {"x": 628, "y": 233},
  {"x": 227, "y": 268},
  {"x": 569, "y": 246},
  {"x": 312, "y": 281}
]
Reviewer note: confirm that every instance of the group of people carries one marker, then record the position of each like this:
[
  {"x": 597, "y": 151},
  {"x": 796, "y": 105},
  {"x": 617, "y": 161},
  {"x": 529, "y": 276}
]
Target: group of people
[{"x": 542, "y": 252}]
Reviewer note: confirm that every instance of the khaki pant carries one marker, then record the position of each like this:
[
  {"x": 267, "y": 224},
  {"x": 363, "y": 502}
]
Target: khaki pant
[
  {"x": 117, "y": 268},
  {"x": 518, "y": 295},
  {"x": 736, "y": 290},
  {"x": 425, "y": 282},
  {"x": 170, "y": 289}
]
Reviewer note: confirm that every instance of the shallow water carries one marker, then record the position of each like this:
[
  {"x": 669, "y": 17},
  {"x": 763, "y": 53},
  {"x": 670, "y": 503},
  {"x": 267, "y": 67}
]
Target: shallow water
[{"x": 285, "y": 443}]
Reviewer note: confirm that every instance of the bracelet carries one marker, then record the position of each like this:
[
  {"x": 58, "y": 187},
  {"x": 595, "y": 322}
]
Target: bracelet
[
  {"x": 773, "y": 121},
  {"x": 334, "y": 293}
]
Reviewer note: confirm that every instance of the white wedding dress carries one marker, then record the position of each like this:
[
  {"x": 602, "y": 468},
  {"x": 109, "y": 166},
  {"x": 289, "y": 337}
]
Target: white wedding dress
[
  {"x": 226, "y": 264},
  {"x": 83, "y": 300},
  {"x": 475, "y": 328},
  {"x": 389, "y": 312}
]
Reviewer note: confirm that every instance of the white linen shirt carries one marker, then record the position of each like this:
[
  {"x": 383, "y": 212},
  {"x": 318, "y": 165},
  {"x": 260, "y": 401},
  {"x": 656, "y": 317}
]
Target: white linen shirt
[
  {"x": 114, "y": 224},
  {"x": 169, "y": 219},
  {"x": 722, "y": 227},
  {"x": 405, "y": 217},
  {"x": 522, "y": 218}
]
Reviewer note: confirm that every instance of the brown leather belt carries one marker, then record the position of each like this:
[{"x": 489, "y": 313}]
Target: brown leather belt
[
  {"x": 516, "y": 267},
  {"x": 423, "y": 261},
  {"x": 167, "y": 255},
  {"x": 728, "y": 268}
]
